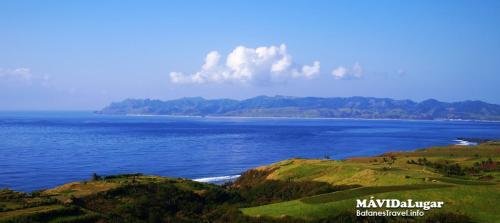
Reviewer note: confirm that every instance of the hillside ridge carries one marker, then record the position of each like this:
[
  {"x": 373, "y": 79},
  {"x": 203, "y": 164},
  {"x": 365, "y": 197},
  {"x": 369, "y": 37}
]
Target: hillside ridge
[{"x": 309, "y": 107}]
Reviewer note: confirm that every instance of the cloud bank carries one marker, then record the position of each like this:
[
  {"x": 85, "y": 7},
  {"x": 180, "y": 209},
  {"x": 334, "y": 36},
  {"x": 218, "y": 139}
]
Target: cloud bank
[
  {"x": 249, "y": 65},
  {"x": 23, "y": 75},
  {"x": 16, "y": 74}
]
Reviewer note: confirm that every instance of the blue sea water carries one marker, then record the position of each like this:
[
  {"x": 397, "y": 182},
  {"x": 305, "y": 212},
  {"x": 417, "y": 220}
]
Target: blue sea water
[{"x": 44, "y": 149}]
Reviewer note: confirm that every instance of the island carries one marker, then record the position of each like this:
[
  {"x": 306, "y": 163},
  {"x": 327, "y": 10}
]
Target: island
[
  {"x": 309, "y": 107},
  {"x": 466, "y": 179}
]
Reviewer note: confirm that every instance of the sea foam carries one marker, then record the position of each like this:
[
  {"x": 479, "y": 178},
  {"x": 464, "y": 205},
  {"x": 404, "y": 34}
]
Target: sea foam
[
  {"x": 460, "y": 142},
  {"x": 217, "y": 179}
]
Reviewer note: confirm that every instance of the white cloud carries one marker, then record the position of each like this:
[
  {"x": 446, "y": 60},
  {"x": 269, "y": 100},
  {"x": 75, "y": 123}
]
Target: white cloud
[
  {"x": 249, "y": 65},
  {"x": 16, "y": 74},
  {"x": 341, "y": 72},
  {"x": 211, "y": 60},
  {"x": 400, "y": 72},
  {"x": 311, "y": 71},
  {"x": 23, "y": 75}
]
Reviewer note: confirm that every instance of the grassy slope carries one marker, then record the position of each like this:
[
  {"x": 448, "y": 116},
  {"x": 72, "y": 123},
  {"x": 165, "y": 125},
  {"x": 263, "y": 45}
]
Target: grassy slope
[
  {"x": 466, "y": 194},
  {"x": 61, "y": 209},
  {"x": 475, "y": 201}
]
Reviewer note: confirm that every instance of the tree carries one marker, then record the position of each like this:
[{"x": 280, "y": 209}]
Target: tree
[{"x": 95, "y": 177}]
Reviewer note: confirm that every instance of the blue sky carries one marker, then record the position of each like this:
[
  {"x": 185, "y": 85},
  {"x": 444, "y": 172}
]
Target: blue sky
[{"x": 60, "y": 55}]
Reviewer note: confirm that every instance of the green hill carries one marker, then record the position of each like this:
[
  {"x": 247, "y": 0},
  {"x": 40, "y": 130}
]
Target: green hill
[{"x": 465, "y": 178}]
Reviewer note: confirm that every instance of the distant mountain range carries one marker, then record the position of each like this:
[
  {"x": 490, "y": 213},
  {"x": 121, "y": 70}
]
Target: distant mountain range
[{"x": 309, "y": 107}]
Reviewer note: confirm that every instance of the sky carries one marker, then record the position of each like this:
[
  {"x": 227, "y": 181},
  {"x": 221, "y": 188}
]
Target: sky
[{"x": 83, "y": 55}]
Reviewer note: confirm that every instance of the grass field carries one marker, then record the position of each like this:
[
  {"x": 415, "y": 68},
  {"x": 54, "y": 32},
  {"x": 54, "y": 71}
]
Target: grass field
[
  {"x": 476, "y": 202},
  {"x": 396, "y": 178}
]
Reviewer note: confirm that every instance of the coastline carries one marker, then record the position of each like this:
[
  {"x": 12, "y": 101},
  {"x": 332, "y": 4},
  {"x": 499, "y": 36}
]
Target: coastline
[
  {"x": 302, "y": 118},
  {"x": 231, "y": 178}
]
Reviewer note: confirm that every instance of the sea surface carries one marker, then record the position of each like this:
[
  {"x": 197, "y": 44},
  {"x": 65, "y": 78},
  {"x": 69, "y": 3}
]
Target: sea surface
[{"x": 45, "y": 149}]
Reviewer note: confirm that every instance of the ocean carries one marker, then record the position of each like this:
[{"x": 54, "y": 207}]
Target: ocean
[{"x": 44, "y": 149}]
